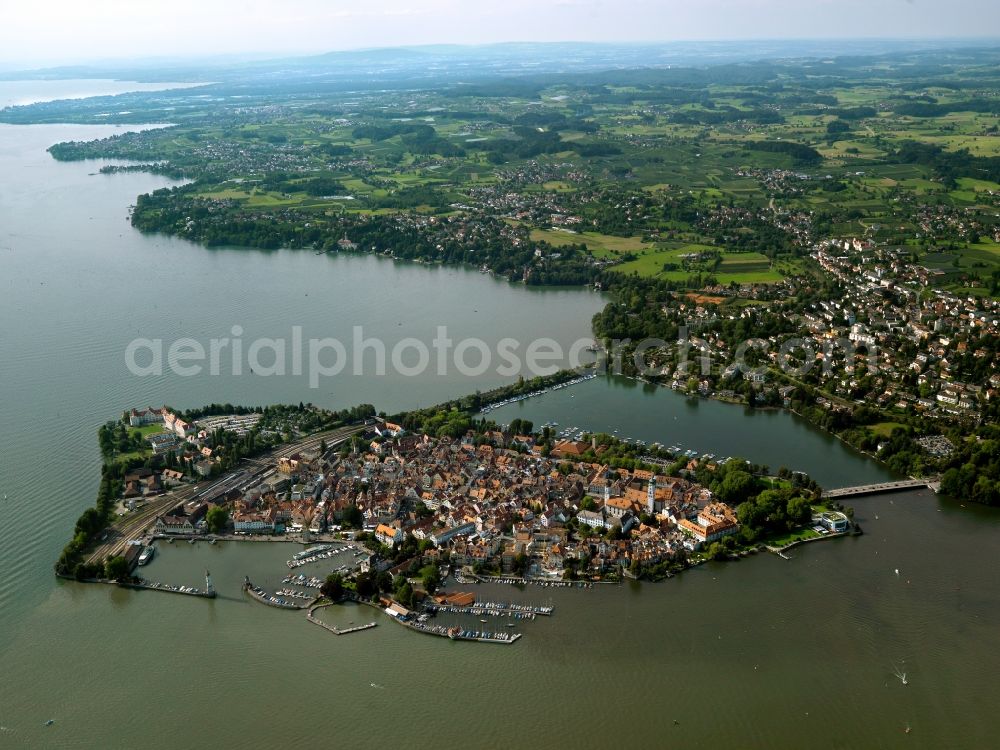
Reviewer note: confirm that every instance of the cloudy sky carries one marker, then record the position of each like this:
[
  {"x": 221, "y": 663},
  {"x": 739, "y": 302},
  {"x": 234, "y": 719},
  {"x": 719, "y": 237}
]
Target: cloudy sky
[{"x": 61, "y": 31}]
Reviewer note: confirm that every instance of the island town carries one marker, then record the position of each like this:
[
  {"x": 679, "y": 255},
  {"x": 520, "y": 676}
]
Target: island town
[{"x": 404, "y": 520}]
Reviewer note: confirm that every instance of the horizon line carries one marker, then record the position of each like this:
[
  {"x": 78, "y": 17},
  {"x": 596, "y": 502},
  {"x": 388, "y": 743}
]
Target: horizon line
[{"x": 268, "y": 55}]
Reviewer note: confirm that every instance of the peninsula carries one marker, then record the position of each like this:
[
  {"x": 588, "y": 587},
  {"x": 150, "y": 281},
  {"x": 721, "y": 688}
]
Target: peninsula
[{"x": 388, "y": 508}]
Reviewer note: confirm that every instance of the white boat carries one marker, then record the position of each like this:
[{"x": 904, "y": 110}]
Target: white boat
[
  {"x": 312, "y": 551},
  {"x": 147, "y": 554}
]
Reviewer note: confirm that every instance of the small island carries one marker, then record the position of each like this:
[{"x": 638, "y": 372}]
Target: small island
[{"x": 391, "y": 510}]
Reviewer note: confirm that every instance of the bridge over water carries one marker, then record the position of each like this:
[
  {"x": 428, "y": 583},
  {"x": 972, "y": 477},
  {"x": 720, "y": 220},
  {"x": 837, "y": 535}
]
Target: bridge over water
[{"x": 881, "y": 487}]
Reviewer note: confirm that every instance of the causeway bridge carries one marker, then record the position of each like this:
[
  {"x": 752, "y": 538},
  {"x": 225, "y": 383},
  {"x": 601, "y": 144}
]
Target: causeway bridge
[{"x": 881, "y": 487}]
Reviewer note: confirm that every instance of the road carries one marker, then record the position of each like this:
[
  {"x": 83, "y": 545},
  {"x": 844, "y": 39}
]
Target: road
[
  {"x": 135, "y": 524},
  {"x": 875, "y": 489}
]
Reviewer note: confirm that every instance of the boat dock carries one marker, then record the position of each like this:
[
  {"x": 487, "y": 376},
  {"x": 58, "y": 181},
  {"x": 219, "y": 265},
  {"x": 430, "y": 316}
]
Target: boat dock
[
  {"x": 293, "y": 594},
  {"x": 780, "y": 551},
  {"x": 497, "y": 609},
  {"x": 481, "y": 611},
  {"x": 454, "y": 633},
  {"x": 269, "y": 599},
  {"x": 298, "y": 562},
  {"x": 169, "y": 588},
  {"x": 458, "y": 634},
  {"x": 335, "y": 630},
  {"x": 486, "y": 409},
  {"x": 301, "y": 580},
  {"x": 518, "y": 581}
]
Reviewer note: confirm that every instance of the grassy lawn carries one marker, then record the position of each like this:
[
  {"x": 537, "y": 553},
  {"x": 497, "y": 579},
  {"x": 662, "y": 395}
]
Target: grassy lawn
[
  {"x": 126, "y": 457},
  {"x": 976, "y": 186},
  {"x": 798, "y": 535},
  {"x": 986, "y": 251},
  {"x": 884, "y": 429},
  {"x": 600, "y": 245},
  {"x": 145, "y": 431},
  {"x": 743, "y": 268},
  {"x": 148, "y": 429},
  {"x": 259, "y": 199},
  {"x": 859, "y": 150},
  {"x": 227, "y": 193},
  {"x": 648, "y": 264}
]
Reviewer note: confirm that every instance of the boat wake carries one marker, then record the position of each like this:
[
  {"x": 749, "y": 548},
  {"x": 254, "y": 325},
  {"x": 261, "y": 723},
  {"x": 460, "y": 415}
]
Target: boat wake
[{"x": 900, "y": 675}]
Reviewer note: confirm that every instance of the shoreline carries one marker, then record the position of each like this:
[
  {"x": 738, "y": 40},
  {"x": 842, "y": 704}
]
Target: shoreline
[{"x": 789, "y": 409}]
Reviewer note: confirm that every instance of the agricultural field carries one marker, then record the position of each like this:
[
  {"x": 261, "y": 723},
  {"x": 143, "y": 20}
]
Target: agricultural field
[
  {"x": 680, "y": 263},
  {"x": 600, "y": 245},
  {"x": 644, "y": 166}
]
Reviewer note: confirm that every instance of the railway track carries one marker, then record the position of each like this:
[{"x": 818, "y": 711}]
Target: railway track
[{"x": 119, "y": 534}]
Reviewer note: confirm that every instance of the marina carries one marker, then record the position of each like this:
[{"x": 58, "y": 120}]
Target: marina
[
  {"x": 271, "y": 600},
  {"x": 293, "y": 594},
  {"x": 301, "y": 579},
  {"x": 694, "y": 427},
  {"x": 525, "y": 396},
  {"x": 541, "y": 582},
  {"x": 165, "y": 587},
  {"x": 457, "y": 633},
  {"x": 322, "y": 552},
  {"x": 494, "y": 609},
  {"x": 311, "y": 551}
]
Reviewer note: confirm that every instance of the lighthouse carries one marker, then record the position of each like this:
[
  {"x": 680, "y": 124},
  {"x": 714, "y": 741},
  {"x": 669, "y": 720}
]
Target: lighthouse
[{"x": 209, "y": 588}]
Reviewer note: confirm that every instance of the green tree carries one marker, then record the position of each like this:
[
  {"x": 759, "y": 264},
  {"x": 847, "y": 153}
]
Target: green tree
[
  {"x": 737, "y": 486},
  {"x": 352, "y": 517},
  {"x": 365, "y": 585},
  {"x": 430, "y": 577},
  {"x": 333, "y": 587},
  {"x": 384, "y": 581},
  {"x": 521, "y": 564},
  {"x": 404, "y": 594},
  {"x": 799, "y": 511},
  {"x": 217, "y": 519},
  {"x": 116, "y": 568}
]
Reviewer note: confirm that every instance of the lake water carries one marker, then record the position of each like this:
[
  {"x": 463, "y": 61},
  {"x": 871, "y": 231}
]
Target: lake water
[
  {"x": 640, "y": 411},
  {"x": 19, "y": 93},
  {"x": 761, "y": 653}
]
